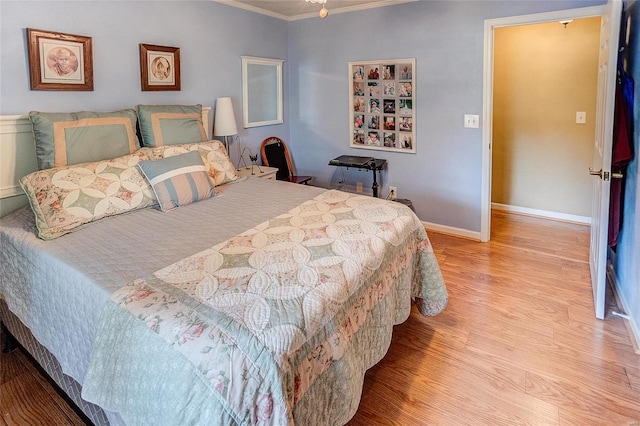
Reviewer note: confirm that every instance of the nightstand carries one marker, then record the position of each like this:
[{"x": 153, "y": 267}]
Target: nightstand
[{"x": 267, "y": 172}]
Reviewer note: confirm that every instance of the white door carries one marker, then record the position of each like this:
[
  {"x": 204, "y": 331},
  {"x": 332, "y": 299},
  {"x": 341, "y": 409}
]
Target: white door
[{"x": 601, "y": 164}]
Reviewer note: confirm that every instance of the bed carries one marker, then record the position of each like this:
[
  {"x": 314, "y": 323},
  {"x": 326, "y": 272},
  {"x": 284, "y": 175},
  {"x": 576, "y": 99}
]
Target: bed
[{"x": 261, "y": 302}]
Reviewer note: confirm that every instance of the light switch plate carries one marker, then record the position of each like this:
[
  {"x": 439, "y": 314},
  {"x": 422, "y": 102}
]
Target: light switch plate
[{"x": 471, "y": 121}]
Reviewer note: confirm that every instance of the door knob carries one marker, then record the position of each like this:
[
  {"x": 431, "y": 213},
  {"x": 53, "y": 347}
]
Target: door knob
[
  {"x": 605, "y": 175},
  {"x": 595, "y": 172}
]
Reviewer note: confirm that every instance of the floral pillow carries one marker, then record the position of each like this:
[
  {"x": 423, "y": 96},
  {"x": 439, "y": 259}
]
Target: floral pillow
[
  {"x": 214, "y": 156},
  {"x": 66, "y": 198}
]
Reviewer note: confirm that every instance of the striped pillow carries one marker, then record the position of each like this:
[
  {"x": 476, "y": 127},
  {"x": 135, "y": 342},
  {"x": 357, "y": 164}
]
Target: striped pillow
[
  {"x": 213, "y": 154},
  {"x": 179, "y": 180}
]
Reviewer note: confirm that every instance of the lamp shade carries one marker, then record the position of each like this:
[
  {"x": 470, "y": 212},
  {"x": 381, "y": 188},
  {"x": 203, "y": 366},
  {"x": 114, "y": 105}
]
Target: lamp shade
[{"x": 225, "y": 119}]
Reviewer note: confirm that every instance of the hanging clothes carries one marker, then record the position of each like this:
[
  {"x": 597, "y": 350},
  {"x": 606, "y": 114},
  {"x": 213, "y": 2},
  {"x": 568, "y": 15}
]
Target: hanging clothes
[{"x": 622, "y": 149}]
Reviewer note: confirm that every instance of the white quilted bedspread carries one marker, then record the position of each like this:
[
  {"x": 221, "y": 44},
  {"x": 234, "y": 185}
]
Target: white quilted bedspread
[
  {"x": 58, "y": 288},
  {"x": 265, "y": 304},
  {"x": 241, "y": 332}
]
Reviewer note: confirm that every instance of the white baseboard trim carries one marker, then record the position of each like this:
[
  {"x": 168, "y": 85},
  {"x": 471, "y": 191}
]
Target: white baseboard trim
[
  {"x": 450, "y": 230},
  {"x": 586, "y": 220},
  {"x": 634, "y": 329}
]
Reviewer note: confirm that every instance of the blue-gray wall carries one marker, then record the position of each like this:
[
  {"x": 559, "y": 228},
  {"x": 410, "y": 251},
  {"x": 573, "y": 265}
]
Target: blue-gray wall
[
  {"x": 627, "y": 259},
  {"x": 443, "y": 179},
  {"x": 211, "y": 38},
  {"x": 446, "y": 38}
]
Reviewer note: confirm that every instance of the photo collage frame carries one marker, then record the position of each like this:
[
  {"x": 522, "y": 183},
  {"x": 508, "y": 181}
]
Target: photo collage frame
[{"x": 381, "y": 105}]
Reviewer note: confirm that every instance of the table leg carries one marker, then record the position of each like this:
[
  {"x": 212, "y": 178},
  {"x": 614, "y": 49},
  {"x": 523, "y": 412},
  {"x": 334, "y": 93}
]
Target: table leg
[{"x": 375, "y": 183}]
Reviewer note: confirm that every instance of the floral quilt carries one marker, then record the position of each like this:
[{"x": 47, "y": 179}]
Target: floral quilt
[{"x": 261, "y": 328}]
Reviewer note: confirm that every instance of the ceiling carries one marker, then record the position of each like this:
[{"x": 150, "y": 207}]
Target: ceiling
[{"x": 291, "y": 10}]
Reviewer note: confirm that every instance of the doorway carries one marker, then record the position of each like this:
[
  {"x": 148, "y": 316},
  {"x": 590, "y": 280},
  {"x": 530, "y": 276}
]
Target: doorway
[
  {"x": 544, "y": 108},
  {"x": 488, "y": 92}
]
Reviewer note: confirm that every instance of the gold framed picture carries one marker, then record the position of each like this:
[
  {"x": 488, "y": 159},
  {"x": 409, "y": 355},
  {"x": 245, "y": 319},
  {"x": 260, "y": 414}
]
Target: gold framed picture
[
  {"x": 159, "y": 67},
  {"x": 59, "y": 61}
]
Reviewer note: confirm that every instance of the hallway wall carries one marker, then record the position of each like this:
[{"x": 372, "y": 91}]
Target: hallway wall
[{"x": 543, "y": 75}]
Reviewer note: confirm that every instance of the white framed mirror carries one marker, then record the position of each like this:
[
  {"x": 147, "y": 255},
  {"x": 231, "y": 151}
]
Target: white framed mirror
[{"x": 261, "y": 91}]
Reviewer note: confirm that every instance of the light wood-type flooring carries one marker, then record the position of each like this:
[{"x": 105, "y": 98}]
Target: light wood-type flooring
[{"x": 518, "y": 344}]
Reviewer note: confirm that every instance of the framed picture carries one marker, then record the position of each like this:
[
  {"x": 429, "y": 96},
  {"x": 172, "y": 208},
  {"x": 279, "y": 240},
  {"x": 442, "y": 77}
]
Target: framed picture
[
  {"x": 381, "y": 113},
  {"x": 59, "y": 61},
  {"x": 159, "y": 67}
]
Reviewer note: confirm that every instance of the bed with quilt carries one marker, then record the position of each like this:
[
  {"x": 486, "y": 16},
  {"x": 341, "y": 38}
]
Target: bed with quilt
[{"x": 254, "y": 302}]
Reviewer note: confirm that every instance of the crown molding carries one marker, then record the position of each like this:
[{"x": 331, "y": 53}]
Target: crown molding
[{"x": 334, "y": 11}]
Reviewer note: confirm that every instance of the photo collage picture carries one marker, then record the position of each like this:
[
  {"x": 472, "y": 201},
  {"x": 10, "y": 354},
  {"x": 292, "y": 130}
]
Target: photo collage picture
[{"x": 381, "y": 97}]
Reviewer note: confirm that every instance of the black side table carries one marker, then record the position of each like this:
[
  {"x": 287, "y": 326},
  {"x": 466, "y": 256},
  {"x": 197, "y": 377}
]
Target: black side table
[{"x": 368, "y": 163}]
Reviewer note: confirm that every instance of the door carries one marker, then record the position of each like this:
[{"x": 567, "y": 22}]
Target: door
[{"x": 601, "y": 164}]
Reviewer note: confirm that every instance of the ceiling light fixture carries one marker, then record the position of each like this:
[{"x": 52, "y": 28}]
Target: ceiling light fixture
[
  {"x": 324, "y": 12},
  {"x": 567, "y": 22}
]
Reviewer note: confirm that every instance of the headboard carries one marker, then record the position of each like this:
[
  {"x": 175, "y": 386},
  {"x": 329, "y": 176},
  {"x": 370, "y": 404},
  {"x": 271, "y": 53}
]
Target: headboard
[{"x": 18, "y": 157}]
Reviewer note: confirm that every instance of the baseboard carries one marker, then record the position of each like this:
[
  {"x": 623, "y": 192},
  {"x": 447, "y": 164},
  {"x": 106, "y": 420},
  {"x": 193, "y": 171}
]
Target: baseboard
[
  {"x": 631, "y": 323},
  {"x": 450, "y": 230},
  {"x": 473, "y": 235},
  {"x": 543, "y": 213}
]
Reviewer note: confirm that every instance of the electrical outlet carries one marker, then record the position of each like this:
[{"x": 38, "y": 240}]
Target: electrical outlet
[
  {"x": 358, "y": 186},
  {"x": 393, "y": 192}
]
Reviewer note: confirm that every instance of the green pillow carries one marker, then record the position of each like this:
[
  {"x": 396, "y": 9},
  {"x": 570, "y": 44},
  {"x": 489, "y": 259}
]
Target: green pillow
[
  {"x": 170, "y": 124},
  {"x": 64, "y": 139}
]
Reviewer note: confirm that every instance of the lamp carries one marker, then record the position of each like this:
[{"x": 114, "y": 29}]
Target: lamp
[
  {"x": 324, "y": 12},
  {"x": 225, "y": 120}
]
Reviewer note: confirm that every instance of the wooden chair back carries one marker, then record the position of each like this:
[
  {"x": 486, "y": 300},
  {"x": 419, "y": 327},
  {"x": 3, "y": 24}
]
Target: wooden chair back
[{"x": 274, "y": 153}]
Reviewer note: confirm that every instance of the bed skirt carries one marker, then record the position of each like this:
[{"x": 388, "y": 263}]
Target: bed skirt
[{"x": 51, "y": 366}]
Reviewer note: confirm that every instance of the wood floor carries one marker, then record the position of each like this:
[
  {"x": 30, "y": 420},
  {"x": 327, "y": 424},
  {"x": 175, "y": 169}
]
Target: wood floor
[{"x": 518, "y": 344}]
